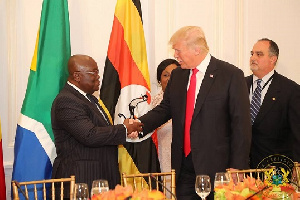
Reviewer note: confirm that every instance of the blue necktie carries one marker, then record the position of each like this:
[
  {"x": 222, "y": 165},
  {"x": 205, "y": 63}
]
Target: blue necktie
[{"x": 256, "y": 101}]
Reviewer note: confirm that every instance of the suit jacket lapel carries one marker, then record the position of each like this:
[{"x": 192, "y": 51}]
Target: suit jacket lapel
[
  {"x": 102, "y": 110},
  {"x": 183, "y": 90},
  {"x": 249, "y": 81},
  {"x": 270, "y": 98},
  {"x": 91, "y": 104},
  {"x": 208, "y": 80}
]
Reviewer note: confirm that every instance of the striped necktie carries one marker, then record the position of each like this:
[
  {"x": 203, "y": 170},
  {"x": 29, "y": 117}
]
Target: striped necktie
[
  {"x": 256, "y": 101},
  {"x": 94, "y": 100}
]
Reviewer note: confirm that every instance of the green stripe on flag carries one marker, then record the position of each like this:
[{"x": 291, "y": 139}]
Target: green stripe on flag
[{"x": 51, "y": 66}]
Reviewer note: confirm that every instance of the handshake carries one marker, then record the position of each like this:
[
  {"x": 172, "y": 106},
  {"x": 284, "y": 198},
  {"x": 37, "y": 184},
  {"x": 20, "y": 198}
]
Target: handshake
[{"x": 134, "y": 127}]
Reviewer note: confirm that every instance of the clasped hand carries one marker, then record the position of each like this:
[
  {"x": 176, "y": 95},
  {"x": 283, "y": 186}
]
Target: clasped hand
[{"x": 133, "y": 127}]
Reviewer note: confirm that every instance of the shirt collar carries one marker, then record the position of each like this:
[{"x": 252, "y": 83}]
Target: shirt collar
[
  {"x": 204, "y": 64},
  {"x": 76, "y": 88},
  {"x": 265, "y": 78}
]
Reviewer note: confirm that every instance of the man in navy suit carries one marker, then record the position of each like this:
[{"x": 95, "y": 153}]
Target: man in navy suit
[
  {"x": 218, "y": 135},
  {"x": 86, "y": 143},
  {"x": 276, "y": 127}
]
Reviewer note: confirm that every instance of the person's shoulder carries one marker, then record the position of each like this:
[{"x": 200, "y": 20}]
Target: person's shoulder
[
  {"x": 67, "y": 93},
  {"x": 287, "y": 85},
  {"x": 178, "y": 70},
  {"x": 224, "y": 64},
  {"x": 64, "y": 90},
  {"x": 285, "y": 80},
  {"x": 250, "y": 77}
]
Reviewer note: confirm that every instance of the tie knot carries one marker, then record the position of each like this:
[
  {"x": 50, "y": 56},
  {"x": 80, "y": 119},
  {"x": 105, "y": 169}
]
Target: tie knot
[
  {"x": 195, "y": 70},
  {"x": 258, "y": 81}
]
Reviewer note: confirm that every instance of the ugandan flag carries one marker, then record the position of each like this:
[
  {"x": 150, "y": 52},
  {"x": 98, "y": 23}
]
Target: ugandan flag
[
  {"x": 34, "y": 149},
  {"x": 126, "y": 77}
]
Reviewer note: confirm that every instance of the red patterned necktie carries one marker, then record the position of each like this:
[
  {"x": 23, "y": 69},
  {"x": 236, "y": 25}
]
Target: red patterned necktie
[{"x": 189, "y": 111}]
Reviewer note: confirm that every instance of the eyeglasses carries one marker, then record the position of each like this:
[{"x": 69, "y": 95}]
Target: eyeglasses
[{"x": 95, "y": 73}]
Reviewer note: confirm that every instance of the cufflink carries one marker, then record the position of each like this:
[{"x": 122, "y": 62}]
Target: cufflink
[{"x": 141, "y": 134}]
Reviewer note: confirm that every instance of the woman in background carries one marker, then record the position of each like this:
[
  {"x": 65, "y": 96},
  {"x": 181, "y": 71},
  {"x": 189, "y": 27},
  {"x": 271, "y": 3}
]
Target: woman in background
[{"x": 164, "y": 133}]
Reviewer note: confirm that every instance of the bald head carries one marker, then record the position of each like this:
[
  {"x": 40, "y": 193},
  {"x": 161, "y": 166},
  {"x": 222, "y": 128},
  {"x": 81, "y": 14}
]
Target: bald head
[
  {"x": 83, "y": 73},
  {"x": 79, "y": 62}
]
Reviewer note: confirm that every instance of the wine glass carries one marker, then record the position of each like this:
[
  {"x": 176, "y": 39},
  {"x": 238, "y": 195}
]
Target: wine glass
[
  {"x": 202, "y": 186},
  {"x": 99, "y": 186},
  {"x": 221, "y": 178},
  {"x": 81, "y": 191}
]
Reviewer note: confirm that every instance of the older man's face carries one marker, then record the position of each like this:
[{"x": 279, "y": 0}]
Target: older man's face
[
  {"x": 185, "y": 55},
  {"x": 89, "y": 78},
  {"x": 261, "y": 63}
]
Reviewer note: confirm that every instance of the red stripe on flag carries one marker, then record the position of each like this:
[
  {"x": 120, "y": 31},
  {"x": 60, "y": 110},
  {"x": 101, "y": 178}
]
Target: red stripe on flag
[
  {"x": 118, "y": 53},
  {"x": 155, "y": 140}
]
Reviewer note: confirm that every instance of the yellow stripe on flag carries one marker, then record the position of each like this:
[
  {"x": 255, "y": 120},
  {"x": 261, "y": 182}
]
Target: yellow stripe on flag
[
  {"x": 127, "y": 165},
  {"x": 133, "y": 34},
  {"x": 106, "y": 111},
  {"x": 34, "y": 57}
]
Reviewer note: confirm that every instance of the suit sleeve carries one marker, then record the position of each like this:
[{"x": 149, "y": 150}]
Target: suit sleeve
[
  {"x": 79, "y": 121},
  {"x": 158, "y": 115},
  {"x": 239, "y": 108},
  {"x": 294, "y": 121}
]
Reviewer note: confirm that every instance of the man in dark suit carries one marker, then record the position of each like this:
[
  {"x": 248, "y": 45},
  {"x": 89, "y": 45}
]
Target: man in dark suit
[
  {"x": 219, "y": 132},
  {"x": 276, "y": 127},
  {"x": 86, "y": 143}
]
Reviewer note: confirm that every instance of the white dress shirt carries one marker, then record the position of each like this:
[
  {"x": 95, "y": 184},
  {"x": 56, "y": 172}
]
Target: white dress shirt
[
  {"x": 265, "y": 83},
  {"x": 200, "y": 74}
]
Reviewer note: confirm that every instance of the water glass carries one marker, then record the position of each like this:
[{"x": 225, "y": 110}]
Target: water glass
[
  {"x": 81, "y": 191},
  {"x": 202, "y": 186},
  {"x": 99, "y": 186},
  {"x": 221, "y": 178}
]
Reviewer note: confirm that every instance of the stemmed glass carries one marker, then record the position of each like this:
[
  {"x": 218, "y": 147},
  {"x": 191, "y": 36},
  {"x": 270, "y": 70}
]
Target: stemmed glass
[
  {"x": 202, "y": 186},
  {"x": 81, "y": 191},
  {"x": 99, "y": 186},
  {"x": 221, "y": 178}
]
